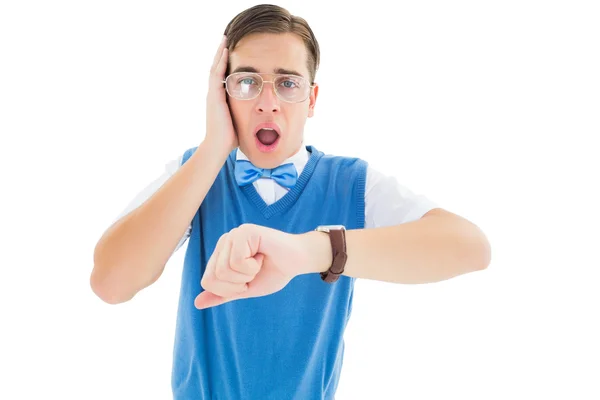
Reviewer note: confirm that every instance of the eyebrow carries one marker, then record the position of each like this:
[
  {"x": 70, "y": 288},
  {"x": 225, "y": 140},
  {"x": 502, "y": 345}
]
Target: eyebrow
[{"x": 275, "y": 71}]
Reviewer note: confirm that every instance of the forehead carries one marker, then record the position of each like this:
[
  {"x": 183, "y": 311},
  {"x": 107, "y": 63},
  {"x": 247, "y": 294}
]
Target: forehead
[{"x": 268, "y": 53}]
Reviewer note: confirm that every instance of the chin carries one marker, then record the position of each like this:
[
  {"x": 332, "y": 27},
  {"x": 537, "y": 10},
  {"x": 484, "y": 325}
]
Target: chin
[
  {"x": 270, "y": 160},
  {"x": 264, "y": 156}
]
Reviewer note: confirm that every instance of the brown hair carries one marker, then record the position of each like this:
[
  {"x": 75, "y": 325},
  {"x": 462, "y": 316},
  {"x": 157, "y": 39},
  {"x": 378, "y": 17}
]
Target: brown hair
[{"x": 268, "y": 18}]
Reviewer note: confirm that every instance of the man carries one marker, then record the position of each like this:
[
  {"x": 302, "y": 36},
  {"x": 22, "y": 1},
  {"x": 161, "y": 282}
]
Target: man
[{"x": 277, "y": 231}]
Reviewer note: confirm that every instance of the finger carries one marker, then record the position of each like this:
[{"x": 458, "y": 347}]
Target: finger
[
  {"x": 242, "y": 254},
  {"x": 208, "y": 299},
  {"x": 211, "y": 283},
  {"x": 224, "y": 289},
  {"x": 219, "y": 53},
  {"x": 223, "y": 270},
  {"x": 223, "y": 260},
  {"x": 217, "y": 75},
  {"x": 222, "y": 64},
  {"x": 248, "y": 266},
  {"x": 210, "y": 265},
  {"x": 222, "y": 240},
  {"x": 259, "y": 257}
]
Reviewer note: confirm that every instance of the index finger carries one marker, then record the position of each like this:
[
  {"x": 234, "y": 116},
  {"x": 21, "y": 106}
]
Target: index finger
[
  {"x": 219, "y": 53},
  {"x": 241, "y": 258}
]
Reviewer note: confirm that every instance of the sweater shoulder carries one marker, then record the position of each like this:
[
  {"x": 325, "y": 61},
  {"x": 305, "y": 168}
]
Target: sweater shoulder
[
  {"x": 343, "y": 164},
  {"x": 187, "y": 154}
]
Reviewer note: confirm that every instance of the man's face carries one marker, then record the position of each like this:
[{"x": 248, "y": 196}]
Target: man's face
[{"x": 268, "y": 54}]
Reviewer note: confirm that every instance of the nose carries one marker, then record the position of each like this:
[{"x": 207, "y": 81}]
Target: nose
[{"x": 267, "y": 100}]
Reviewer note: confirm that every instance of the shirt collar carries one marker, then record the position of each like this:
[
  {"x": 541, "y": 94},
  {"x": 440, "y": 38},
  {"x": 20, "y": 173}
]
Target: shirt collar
[{"x": 299, "y": 159}]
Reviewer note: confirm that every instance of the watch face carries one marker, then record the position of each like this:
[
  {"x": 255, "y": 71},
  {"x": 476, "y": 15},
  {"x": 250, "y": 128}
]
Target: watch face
[{"x": 327, "y": 228}]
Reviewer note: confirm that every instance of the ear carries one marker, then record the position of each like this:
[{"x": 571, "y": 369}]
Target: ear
[{"x": 313, "y": 100}]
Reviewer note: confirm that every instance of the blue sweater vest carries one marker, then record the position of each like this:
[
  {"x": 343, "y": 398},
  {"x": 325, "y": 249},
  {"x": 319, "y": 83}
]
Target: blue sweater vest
[{"x": 288, "y": 345}]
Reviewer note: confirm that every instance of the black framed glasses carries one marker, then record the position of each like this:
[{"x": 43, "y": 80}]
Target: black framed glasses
[{"x": 249, "y": 85}]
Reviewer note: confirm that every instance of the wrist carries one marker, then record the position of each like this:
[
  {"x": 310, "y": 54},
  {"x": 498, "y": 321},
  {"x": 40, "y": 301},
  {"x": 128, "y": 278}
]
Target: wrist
[
  {"x": 216, "y": 149},
  {"x": 317, "y": 247}
]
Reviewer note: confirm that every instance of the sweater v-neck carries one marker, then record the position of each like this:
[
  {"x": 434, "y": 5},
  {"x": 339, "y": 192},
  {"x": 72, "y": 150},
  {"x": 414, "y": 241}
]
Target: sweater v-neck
[{"x": 291, "y": 196}]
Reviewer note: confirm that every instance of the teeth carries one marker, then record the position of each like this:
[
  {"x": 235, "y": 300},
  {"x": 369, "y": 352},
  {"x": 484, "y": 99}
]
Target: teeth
[{"x": 268, "y": 129}]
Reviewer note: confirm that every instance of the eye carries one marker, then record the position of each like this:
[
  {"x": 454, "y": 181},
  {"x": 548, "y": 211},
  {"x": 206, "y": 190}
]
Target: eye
[
  {"x": 247, "y": 81},
  {"x": 289, "y": 84}
]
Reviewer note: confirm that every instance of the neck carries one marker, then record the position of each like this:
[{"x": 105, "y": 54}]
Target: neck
[{"x": 270, "y": 163}]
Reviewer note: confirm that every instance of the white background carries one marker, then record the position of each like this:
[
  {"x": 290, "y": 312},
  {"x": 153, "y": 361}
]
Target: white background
[{"x": 491, "y": 109}]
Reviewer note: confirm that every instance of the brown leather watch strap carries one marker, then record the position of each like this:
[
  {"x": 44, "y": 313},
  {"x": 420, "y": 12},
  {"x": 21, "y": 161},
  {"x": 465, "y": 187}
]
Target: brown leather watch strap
[{"x": 338, "y": 248}]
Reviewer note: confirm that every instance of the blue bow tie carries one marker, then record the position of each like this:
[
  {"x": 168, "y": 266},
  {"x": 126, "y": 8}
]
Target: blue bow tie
[{"x": 246, "y": 173}]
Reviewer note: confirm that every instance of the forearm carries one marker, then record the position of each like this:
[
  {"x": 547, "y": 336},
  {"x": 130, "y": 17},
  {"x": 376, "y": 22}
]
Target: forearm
[
  {"x": 431, "y": 249},
  {"x": 132, "y": 253}
]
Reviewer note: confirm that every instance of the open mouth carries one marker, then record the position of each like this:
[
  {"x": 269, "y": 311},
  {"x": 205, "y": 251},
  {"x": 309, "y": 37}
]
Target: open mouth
[{"x": 267, "y": 136}]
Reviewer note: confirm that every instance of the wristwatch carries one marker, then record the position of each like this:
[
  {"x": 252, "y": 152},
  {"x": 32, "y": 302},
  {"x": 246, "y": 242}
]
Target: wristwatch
[{"x": 337, "y": 235}]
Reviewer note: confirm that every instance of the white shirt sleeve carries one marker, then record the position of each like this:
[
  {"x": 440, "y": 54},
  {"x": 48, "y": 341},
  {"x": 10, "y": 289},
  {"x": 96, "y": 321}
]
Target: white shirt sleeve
[
  {"x": 389, "y": 203},
  {"x": 170, "y": 169}
]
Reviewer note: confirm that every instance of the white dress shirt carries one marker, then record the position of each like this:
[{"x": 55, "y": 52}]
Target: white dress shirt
[{"x": 386, "y": 201}]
